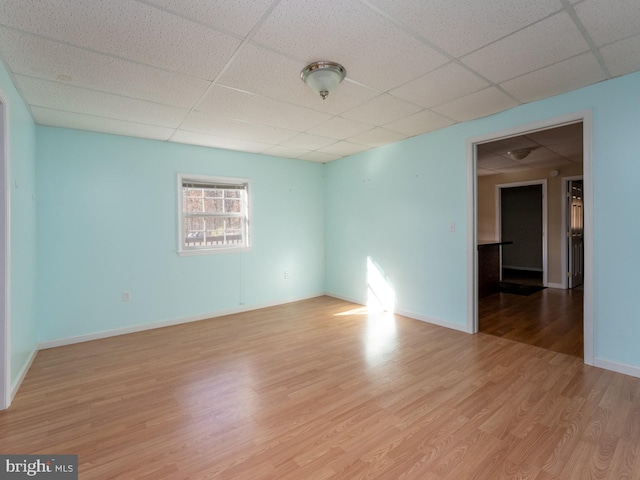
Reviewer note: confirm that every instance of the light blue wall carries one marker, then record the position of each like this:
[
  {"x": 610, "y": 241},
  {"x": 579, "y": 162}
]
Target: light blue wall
[
  {"x": 395, "y": 204},
  {"x": 107, "y": 217},
  {"x": 22, "y": 182}
]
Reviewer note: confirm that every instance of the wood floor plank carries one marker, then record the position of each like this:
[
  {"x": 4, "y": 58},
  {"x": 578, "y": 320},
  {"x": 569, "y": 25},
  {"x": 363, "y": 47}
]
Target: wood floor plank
[
  {"x": 550, "y": 319},
  {"x": 322, "y": 389}
]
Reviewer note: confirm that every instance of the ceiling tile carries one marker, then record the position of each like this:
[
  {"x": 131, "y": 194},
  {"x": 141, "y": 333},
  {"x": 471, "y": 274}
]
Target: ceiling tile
[
  {"x": 608, "y": 21},
  {"x": 320, "y": 157},
  {"x": 507, "y": 145},
  {"x": 308, "y": 141},
  {"x": 483, "y": 172},
  {"x": 264, "y": 72},
  {"x": 288, "y": 152},
  {"x": 571, "y": 133},
  {"x": 344, "y": 148},
  {"x": 552, "y": 40},
  {"x": 375, "y": 51},
  {"x": 491, "y": 161},
  {"x": 622, "y": 57},
  {"x": 382, "y": 109},
  {"x": 461, "y": 26},
  {"x": 421, "y": 122},
  {"x": 126, "y": 29},
  {"x": 79, "y": 121},
  {"x": 339, "y": 128},
  {"x": 440, "y": 86},
  {"x": 257, "y": 109},
  {"x": 226, "y": 127},
  {"x": 555, "y": 162},
  {"x": 478, "y": 104},
  {"x": 226, "y": 15},
  {"x": 43, "y": 93},
  {"x": 562, "y": 77},
  {"x": 569, "y": 150},
  {"x": 578, "y": 158},
  {"x": 377, "y": 137},
  {"x": 517, "y": 168},
  {"x": 195, "y": 138},
  {"x": 484, "y": 148},
  {"x": 50, "y": 60}
]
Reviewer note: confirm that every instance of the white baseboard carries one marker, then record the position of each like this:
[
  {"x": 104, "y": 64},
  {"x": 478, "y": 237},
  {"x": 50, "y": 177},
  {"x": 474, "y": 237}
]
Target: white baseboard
[
  {"x": 631, "y": 370},
  {"x": 164, "y": 323},
  {"x": 346, "y": 299},
  {"x": 21, "y": 375},
  {"x": 434, "y": 321},
  {"x": 617, "y": 367},
  {"x": 556, "y": 285},
  {"x": 414, "y": 316}
]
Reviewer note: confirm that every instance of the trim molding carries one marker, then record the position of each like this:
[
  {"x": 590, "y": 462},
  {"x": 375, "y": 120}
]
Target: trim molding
[
  {"x": 545, "y": 223},
  {"x": 598, "y": 362},
  {"x": 5, "y": 254},
  {"x": 161, "y": 324},
  {"x": 22, "y": 374},
  {"x": 564, "y": 247},
  {"x": 411, "y": 315},
  {"x": 433, "y": 321},
  {"x": 343, "y": 297},
  {"x": 556, "y": 285},
  {"x": 617, "y": 367}
]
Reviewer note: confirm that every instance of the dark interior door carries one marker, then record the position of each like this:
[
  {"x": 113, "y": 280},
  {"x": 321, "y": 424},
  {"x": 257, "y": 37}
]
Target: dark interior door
[{"x": 521, "y": 223}]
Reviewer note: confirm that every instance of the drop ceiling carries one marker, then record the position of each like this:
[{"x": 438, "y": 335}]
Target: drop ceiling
[
  {"x": 225, "y": 73},
  {"x": 552, "y": 148}
]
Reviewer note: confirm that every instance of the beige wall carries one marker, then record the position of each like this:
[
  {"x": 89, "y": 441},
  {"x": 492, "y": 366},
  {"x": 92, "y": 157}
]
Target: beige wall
[{"x": 487, "y": 210}]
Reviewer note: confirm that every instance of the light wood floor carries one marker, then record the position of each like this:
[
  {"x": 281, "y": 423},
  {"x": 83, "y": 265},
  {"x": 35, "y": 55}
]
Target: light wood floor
[
  {"x": 551, "y": 319},
  {"x": 319, "y": 389}
]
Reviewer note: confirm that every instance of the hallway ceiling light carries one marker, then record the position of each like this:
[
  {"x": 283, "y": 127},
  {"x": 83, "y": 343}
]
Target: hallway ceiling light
[
  {"x": 323, "y": 77},
  {"x": 521, "y": 153}
]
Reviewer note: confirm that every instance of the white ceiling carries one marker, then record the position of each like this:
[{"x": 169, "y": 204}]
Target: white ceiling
[{"x": 225, "y": 73}]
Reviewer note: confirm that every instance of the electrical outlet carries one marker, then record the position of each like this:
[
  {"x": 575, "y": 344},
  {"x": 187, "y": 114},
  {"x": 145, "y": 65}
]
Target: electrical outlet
[
  {"x": 126, "y": 296},
  {"x": 452, "y": 227},
  {"x": 286, "y": 274}
]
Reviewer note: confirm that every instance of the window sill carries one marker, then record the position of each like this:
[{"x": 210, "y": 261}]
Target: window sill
[{"x": 212, "y": 251}]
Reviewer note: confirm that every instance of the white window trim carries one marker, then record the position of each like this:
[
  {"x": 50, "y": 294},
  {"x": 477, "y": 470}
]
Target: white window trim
[{"x": 182, "y": 251}]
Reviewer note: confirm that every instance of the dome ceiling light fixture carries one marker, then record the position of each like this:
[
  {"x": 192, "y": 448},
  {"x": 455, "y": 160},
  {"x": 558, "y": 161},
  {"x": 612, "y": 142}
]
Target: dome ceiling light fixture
[
  {"x": 323, "y": 77},
  {"x": 521, "y": 153}
]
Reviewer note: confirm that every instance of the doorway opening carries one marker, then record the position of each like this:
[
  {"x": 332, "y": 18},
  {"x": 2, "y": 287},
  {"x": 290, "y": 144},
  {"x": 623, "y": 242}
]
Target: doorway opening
[{"x": 548, "y": 154}]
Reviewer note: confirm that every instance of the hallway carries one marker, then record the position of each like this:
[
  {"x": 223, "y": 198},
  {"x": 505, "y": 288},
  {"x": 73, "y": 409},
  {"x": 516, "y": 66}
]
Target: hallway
[{"x": 551, "y": 319}]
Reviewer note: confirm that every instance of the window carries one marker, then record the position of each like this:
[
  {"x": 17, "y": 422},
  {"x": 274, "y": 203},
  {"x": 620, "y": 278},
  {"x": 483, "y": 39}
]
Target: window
[{"x": 214, "y": 214}]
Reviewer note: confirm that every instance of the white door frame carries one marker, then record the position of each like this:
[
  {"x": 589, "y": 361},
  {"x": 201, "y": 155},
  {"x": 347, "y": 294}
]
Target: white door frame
[
  {"x": 5, "y": 238},
  {"x": 498, "y": 235},
  {"x": 586, "y": 117},
  {"x": 564, "y": 244}
]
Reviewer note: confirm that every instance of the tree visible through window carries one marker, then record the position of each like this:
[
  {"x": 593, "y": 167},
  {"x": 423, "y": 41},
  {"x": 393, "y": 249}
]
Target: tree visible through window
[{"x": 214, "y": 213}]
